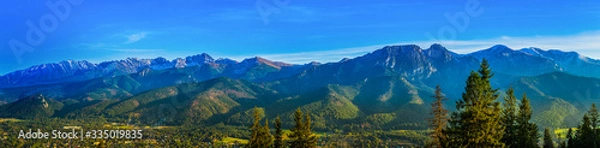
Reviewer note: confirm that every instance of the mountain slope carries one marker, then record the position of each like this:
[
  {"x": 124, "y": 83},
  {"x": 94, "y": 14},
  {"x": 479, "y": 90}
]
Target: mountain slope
[
  {"x": 32, "y": 107},
  {"x": 578, "y": 90},
  {"x": 508, "y": 61},
  {"x": 205, "y": 68},
  {"x": 559, "y": 98},
  {"x": 387, "y": 94},
  {"x": 572, "y": 62},
  {"x": 193, "y": 102}
]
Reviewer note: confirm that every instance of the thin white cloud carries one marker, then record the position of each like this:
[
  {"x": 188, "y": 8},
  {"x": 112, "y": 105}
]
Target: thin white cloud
[
  {"x": 318, "y": 56},
  {"x": 135, "y": 37},
  {"x": 587, "y": 44},
  {"x": 134, "y": 50}
]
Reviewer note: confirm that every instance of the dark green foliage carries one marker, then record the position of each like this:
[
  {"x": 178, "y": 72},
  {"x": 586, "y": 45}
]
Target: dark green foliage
[
  {"x": 476, "y": 121},
  {"x": 587, "y": 133},
  {"x": 261, "y": 135},
  {"x": 256, "y": 128},
  {"x": 595, "y": 121},
  {"x": 265, "y": 135},
  {"x": 527, "y": 132},
  {"x": 570, "y": 140},
  {"x": 298, "y": 130},
  {"x": 302, "y": 136},
  {"x": 509, "y": 119},
  {"x": 311, "y": 139},
  {"x": 548, "y": 143},
  {"x": 278, "y": 133},
  {"x": 562, "y": 144},
  {"x": 439, "y": 120}
]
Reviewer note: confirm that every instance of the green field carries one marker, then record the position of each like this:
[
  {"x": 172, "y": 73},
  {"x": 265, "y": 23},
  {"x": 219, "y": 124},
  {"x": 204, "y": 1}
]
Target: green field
[{"x": 10, "y": 120}]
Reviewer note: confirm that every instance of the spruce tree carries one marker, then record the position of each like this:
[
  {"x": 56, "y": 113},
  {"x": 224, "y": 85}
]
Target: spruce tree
[
  {"x": 297, "y": 132},
  {"x": 278, "y": 133},
  {"x": 440, "y": 118},
  {"x": 311, "y": 139},
  {"x": 266, "y": 139},
  {"x": 584, "y": 132},
  {"x": 476, "y": 121},
  {"x": 302, "y": 136},
  {"x": 527, "y": 132},
  {"x": 587, "y": 133},
  {"x": 562, "y": 144},
  {"x": 255, "y": 139},
  {"x": 548, "y": 139},
  {"x": 570, "y": 141},
  {"x": 594, "y": 117},
  {"x": 509, "y": 119}
]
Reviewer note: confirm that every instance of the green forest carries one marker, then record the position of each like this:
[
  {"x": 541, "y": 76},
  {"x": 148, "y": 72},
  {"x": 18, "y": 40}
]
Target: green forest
[{"x": 481, "y": 118}]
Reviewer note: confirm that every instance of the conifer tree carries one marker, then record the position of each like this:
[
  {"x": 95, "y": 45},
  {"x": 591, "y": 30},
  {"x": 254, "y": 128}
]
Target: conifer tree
[
  {"x": 440, "y": 118},
  {"x": 509, "y": 119},
  {"x": 297, "y": 135},
  {"x": 527, "y": 132},
  {"x": 311, "y": 139},
  {"x": 570, "y": 141},
  {"x": 548, "y": 139},
  {"x": 261, "y": 136},
  {"x": 587, "y": 133},
  {"x": 302, "y": 136},
  {"x": 266, "y": 139},
  {"x": 256, "y": 128},
  {"x": 562, "y": 144},
  {"x": 476, "y": 121},
  {"x": 584, "y": 132},
  {"x": 278, "y": 133},
  {"x": 594, "y": 119}
]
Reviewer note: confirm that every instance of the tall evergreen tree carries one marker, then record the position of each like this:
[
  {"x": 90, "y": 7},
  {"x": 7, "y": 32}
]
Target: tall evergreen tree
[
  {"x": 476, "y": 121},
  {"x": 266, "y": 139},
  {"x": 440, "y": 118},
  {"x": 562, "y": 144},
  {"x": 311, "y": 139},
  {"x": 527, "y": 132},
  {"x": 584, "y": 133},
  {"x": 278, "y": 133},
  {"x": 594, "y": 121},
  {"x": 570, "y": 141},
  {"x": 261, "y": 136},
  {"x": 509, "y": 119},
  {"x": 297, "y": 135},
  {"x": 548, "y": 139},
  {"x": 587, "y": 133},
  {"x": 256, "y": 128},
  {"x": 302, "y": 136}
]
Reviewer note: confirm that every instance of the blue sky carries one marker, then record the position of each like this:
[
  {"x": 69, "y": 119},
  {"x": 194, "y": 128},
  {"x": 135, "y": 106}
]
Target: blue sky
[{"x": 295, "y": 32}]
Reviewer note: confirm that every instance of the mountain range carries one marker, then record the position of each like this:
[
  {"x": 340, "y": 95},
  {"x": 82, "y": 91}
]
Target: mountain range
[{"x": 388, "y": 88}]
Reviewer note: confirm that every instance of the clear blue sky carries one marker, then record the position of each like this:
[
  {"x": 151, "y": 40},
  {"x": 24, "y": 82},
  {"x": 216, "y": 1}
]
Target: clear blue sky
[{"x": 302, "y": 30}]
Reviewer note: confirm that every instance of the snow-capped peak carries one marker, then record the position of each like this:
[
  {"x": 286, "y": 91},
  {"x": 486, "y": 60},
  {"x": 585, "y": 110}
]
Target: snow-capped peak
[{"x": 533, "y": 51}]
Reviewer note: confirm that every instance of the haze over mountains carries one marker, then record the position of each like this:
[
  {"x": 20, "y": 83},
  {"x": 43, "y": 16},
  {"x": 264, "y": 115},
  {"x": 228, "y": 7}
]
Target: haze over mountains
[{"x": 394, "y": 83}]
